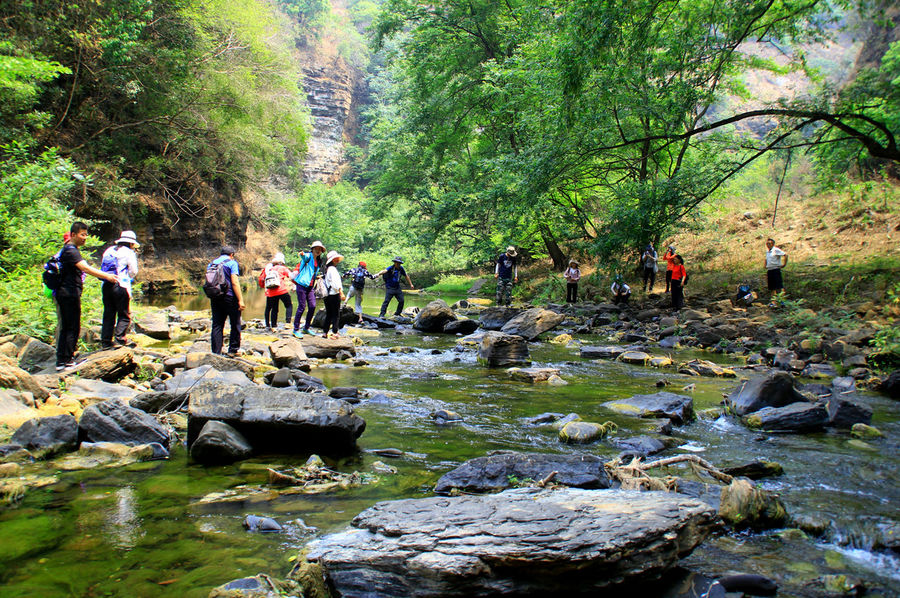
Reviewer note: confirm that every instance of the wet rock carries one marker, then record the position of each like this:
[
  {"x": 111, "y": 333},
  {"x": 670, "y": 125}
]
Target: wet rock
[
  {"x": 891, "y": 385},
  {"x": 343, "y": 355},
  {"x": 707, "y": 337},
  {"x": 36, "y": 355},
  {"x": 461, "y": 327},
  {"x": 322, "y": 348},
  {"x": 498, "y": 349},
  {"x": 109, "y": 366},
  {"x": 543, "y": 418},
  {"x": 48, "y": 435},
  {"x": 784, "y": 359},
  {"x": 748, "y": 583},
  {"x": 843, "y": 384},
  {"x": 775, "y": 390},
  {"x": 843, "y": 413},
  {"x": 116, "y": 421},
  {"x": 306, "y": 383},
  {"x": 607, "y": 352},
  {"x": 287, "y": 353},
  {"x": 702, "y": 367},
  {"x": 254, "y": 523},
  {"x": 346, "y": 317},
  {"x": 796, "y": 417},
  {"x": 669, "y": 342},
  {"x": 275, "y": 419},
  {"x": 485, "y": 545},
  {"x": 185, "y": 380},
  {"x": 638, "y": 446},
  {"x": 434, "y": 317},
  {"x": 344, "y": 392},
  {"x": 154, "y": 325},
  {"x": 219, "y": 443},
  {"x": 531, "y": 323},
  {"x": 679, "y": 408},
  {"x": 532, "y": 374},
  {"x": 493, "y": 472},
  {"x": 580, "y": 432},
  {"x": 755, "y": 470},
  {"x": 220, "y": 362},
  {"x": 634, "y": 357},
  {"x": 442, "y": 417},
  {"x": 865, "y": 431},
  {"x": 744, "y": 506},
  {"x": 661, "y": 362},
  {"x": 494, "y": 318},
  {"x": 819, "y": 370},
  {"x": 18, "y": 379}
]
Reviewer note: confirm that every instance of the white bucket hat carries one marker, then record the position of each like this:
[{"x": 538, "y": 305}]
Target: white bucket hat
[
  {"x": 128, "y": 236},
  {"x": 332, "y": 255},
  {"x": 278, "y": 258},
  {"x": 316, "y": 244},
  {"x": 511, "y": 251}
]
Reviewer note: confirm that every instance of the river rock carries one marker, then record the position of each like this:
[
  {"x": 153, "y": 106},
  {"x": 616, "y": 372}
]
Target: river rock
[
  {"x": 500, "y": 350},
  {"x": 679, "y": 408},
  {"x": 275, "y": 419},
  {"x": 742, "y": 505},
  {"x": 606, "y": 352},
  {"x": 344, "y": 392},
  {"x": 220, "y": 363},
  {"x": 154, "y": 325},
  {"x": 110, "y": 366},
  {"x": 638, "y": 446},
  {"x": 323, "y": 348},
  {"x": 693, "y": 315},
  {"x": 36, "y": 355},
  {"x": 531, "y": 323},
  {"x": 185, "y": 380},
  {"x": 634, "y": 357},
  {"x": 48, "y": 434},
  {"x": 843, "y": 413},
  {"x": 494, "y": 318},
  {"x": 116, "y": 421},
  {"x": 461, "y": 326},
  {"x": 306, "y": 383},
  {"x": 579, "y": 432},
  {"x": 16, "y": 378},
  {"x": 891, "y": 385},
  {"x": 703, "y": 367},
  {"x": 661, "y": 362},
  {"x": 287, "y": 352},
  {"x": 346, "y": 316},
  {"x": 796, "y": 417},
  {"x": 434, "y": 317},
  {"x": 755, "y": 470},
  {"x": 493, "y": 472},
  {"x": 14, "y": 412},
  {"x": 532, "y": 374},
  {"x": 219, "y": 443},
  {"x": 819, "y": 370},
  {"x": 523, "y": 541},
  {"x": 254, "y": 523},
  {"x": 159, "y": 401},
  {"x": 88, "y": 391},
  {"x": 775, "y": 390}
]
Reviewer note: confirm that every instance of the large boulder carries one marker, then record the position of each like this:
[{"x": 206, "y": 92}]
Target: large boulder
[
  {"x": 775, "y": 390},
  {"x": 499, "y": 470},
  {"x": 523, "y": 542},
  {"x": 678, "y": 408},
  {"x": 434, "y": 317},
  {"x": 159, "y": 401},
  {"x": 346, "y": 316},
  {"x": 276, "y": 419},
  {"x": 500, "y": 350},
  {"x": 196, "y": 359},
  {"x": 116, "y": 421},
  {"x": 287, "y": 353},
  {"x": 13, "y": 410},
  {"x": 531, "y": 323},
  {"x": 18, "y": 379},
  {"x": 494, "y": 318},
  {"x": 155, "y": 325},
  {"x": 48, "y": 434},
  {"x": 219, "y": 443},
  {"x": 796, "y": 417},
  {"x": 36, "y": 355},
  {"x": 184, "y": 381},
  {"x": 109, "y": 366},
  {"x": 843, "y": 413},
  {"x": 319, "y": 347},
  {"x": 461, "y": 327}
]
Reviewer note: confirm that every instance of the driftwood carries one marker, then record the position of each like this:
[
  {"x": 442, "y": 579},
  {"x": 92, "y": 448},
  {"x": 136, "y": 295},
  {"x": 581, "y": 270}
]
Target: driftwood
[{"x": 634, "y": 475}]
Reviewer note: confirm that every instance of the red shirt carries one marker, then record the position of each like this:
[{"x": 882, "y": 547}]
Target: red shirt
[
  {"x": 284, "y": 289},
  {"x": 670, "y": 260},
  {"x": 678, "y": 272}
]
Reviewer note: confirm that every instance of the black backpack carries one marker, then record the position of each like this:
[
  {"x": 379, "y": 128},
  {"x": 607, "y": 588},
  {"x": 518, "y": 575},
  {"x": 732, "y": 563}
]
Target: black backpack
[
  {"x": 52, "y": 275},
  {"x": 215, "y": 284}
]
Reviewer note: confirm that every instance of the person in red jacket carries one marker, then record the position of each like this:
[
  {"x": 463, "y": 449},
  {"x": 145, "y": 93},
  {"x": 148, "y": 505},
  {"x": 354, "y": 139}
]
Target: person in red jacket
[
  {"x": 670, "y": 263},
  {"x": 276, "y": 279},
  {"x": 679, "y": 279}
]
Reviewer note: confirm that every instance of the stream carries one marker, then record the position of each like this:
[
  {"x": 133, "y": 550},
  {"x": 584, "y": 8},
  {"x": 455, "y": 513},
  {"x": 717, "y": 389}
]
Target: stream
[{"x": 136, "y": 530}]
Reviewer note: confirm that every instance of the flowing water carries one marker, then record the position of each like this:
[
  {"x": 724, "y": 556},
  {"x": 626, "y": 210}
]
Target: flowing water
[{"x": 136, "y": 530}]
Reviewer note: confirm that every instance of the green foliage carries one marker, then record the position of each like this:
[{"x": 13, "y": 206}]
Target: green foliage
[
  {"x": 452, "y": 283},
  {"x": 887, "y": 339}
]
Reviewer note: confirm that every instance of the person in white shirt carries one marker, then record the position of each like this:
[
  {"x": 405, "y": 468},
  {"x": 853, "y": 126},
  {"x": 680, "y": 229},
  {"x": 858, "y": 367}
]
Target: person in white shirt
[
  {"x": 120, "y": 261},
  {"x": 572, "y": 276},
  {"x": 776, "y": 259},
  {"x": 335, "y": 287},
  {"x": 621, "y": 291}
]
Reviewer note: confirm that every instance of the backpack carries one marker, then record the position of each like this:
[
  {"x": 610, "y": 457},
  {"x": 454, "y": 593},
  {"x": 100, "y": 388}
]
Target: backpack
[
  {"x": 215, "y": 284},
  {"x": 110, "y": 262},
  {"x": 273, "y": 278},
  {"x": 52, "y": 275}
]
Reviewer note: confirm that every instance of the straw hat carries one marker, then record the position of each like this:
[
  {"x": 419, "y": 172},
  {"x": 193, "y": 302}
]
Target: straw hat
[
  {"x": 511, "y": 251},
  {"x": 128, "y": 236}
]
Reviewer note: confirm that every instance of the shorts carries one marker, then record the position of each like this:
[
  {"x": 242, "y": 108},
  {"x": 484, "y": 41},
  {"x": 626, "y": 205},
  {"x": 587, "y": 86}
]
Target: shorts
[{"x": 774, "y": 279}]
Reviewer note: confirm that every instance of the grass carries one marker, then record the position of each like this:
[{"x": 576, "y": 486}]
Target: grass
[{"x": 453, "y": 283}]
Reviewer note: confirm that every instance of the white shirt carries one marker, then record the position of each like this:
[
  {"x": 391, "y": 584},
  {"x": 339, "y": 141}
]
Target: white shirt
[
  {"x": 126, "y": 265},
  {"x": 617, "y": 287},
  {"x": 333, "y": 281},
  {"x": 773, "y": 258}
]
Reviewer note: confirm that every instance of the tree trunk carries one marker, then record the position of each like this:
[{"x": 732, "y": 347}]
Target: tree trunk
[{"x": 559, "y": 258}]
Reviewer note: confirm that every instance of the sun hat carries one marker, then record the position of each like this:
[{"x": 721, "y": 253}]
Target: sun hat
[
  {"x": 362, "y": 264},
  {"x": 332, "y": 255},
  {"x": 511, "y": 251},
  {"x": 398, "y": 259},
  {"x": 128, "y": 236},
  {"x": 316, "y": 244},
  {"x": 278, "y": 258},
  {"x": 573, "y": 262}
]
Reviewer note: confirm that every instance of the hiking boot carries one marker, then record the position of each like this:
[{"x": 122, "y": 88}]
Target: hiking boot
[{"x": 298, "y": 334}]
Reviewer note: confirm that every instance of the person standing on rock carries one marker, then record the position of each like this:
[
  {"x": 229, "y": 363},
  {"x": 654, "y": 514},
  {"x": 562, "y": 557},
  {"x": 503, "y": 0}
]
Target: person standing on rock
[
  {"x": 276, "y": 279},
  {"x": 776, "y": 259},
  {"x": 121, "y": 261},
  {"x": 669, "y": 256},
  {"x": 358, "y": 278},
  {"x": 572, "y": 276},
  {"x": 335, "y": 288},
  {"x": 621, "y": 292},
  {"x": 309, "y": 268},
  {"x": 68, "y": 295},
  {"x": 392, "y": 275},
  {"x": 506, "y": 273},
  {"x": 649, "y": 259},
  {"x": 679, "y": 279},
  {"x": 228, "y": 305}
]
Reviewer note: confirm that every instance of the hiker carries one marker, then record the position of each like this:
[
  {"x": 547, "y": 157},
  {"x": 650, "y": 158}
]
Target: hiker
[
  {"x": 358, "y": 278},
  {"x": 506, "y": 273},
  {"x": 68, "y": 294},
  {"x": 776, "y": 259},
  {"x": 276, "y": 279},
  {"x": 621, "y": 291},
  {"x": 308, "y": 270},
  {"x": 744, "y": 296},
  {"x": 669, "y": 256},
  {"x": 572, "y": 276},
  {"x": 335, "y": 288},
  {"x": 648, "y": 260},
  {"x": 121, "y": 261},
  {"x": 679, "y": 279},
  {"x": 392, "y": 275},
  {"x": 229, "y": 303}
]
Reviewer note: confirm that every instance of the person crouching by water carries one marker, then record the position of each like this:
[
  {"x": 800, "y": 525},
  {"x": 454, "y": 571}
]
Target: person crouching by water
[
  {"x": 276, "y": 279},
  {"x": 308, "y": 269},
  {"x": 392, "y": 275},
  {"x": 572, "y": 276},
  {"x": 335, "y": 288},
  {"x": 358, "y": 278},
  {"x": 120, "y": 261},
  {"x": 621, "y": 292},
  {"x": 228, "y": 305},
  {"x": 679, "y": 279}
]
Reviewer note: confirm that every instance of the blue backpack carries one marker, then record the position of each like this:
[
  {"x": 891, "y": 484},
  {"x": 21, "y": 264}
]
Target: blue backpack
[{"x": 52, "y": 275}]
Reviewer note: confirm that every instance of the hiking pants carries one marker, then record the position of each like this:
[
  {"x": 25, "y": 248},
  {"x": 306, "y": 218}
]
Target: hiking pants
[
  {"x": 668, "y": 280},
  {"x": 677, "y": 295},
  {"x": 504, "y": 291},
  {"x": 388, "y": 294},
  {"x": 116, "y": 313},
  {"x": 271, "y": 315},
  {"x": 358, "y": 293},
  {"x": 69, "y": 318},
  {"x": 649, "y": 274},
  {"x": 222, "y": 308},
  {"x": 571, "y": 292},
  {"x": 332, "y": 313},
  {"x": 306, "y": 297}
]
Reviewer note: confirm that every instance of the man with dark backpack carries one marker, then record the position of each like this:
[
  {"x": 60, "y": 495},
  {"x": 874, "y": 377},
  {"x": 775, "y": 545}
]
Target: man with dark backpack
[{"x": 225, "y": 299}]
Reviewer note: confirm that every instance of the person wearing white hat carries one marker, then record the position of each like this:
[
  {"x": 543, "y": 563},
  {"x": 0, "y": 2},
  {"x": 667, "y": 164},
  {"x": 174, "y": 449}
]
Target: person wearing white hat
[
  {"x": 120, "y": 261},
  {"x": 309, "y": 268},
  {"x": 506, "y": 273},
  {"x": 335, "y": 288},
  {"x": 275, "y": 278}
]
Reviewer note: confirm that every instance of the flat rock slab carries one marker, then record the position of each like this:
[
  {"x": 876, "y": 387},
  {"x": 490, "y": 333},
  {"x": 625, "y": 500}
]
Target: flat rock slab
[
  {"x": 274, "y": 419},
  {"x": 322, "y": 348},
  {"x": 531, "y": 323},
  {"x": 524, "y": 541},
  {"x": 89, "y": 391},
  {"x": 154, "y": 325},
  {"x": 798, "y": 417},
  {"x": 607, "y": 352},
  {"x": 634, "y": 357},
  {"x": 196, "y": 359},
  {"x": 110, "y": 366},
  {"x": 493, "y": 472},
  {"x": 702, "y": 367},
  {"x": 185, "y": 380},
  {"x": 679, "y": 408},
  {"x": 532, "y": 374}
]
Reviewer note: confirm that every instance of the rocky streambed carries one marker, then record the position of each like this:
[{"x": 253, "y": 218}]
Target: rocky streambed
[{"x": 402, "y": 408}]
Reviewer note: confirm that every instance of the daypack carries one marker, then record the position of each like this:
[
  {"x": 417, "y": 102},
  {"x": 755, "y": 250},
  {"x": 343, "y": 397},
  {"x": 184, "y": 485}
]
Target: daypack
[
  {"x": 215, "y": 285},
  {"x": 52, "y": 275},
  {"x": 110, "y": 262},
  {"x": 306, "y": 270},
  {"x": 273, "y": 278}
]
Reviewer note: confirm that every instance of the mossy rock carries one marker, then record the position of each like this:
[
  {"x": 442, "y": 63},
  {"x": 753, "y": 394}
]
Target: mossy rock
[
  {"x": 865, "y": 431},
  {"x": 579, "y": 432},
  {"x": 745, "y": 506}
]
